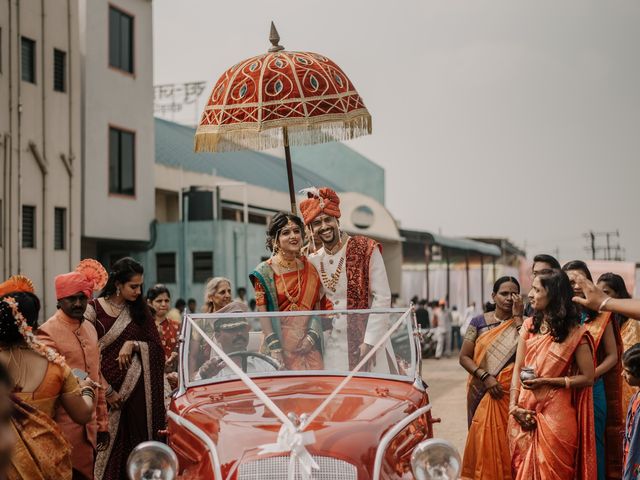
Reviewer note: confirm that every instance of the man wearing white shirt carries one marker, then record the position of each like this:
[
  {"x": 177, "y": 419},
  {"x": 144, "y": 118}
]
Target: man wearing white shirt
[
  {"x": 468, "y": 315},
  {"x": 353, "y": 275},
  {"x": 232, "y": 334}
]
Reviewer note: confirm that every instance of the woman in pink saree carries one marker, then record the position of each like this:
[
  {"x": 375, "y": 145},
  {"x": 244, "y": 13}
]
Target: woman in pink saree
[{"x": 551, "y": 429}]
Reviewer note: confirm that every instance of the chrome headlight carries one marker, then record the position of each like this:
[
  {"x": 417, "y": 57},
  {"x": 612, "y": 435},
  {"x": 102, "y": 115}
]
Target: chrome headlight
[
  {"x": 152, "y": 461},
  {"x": 435, "y": 459}
]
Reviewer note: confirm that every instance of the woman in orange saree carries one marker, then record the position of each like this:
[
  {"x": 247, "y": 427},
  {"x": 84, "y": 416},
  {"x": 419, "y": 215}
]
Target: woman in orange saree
[
  {"x": 551, "y": 429},
  {"x": 488, "y": 353},
  {"x": 607, "y": 388},
  {"x": 41, "y": 381},
  {"x": 288, "y": 282},
  {"x": 613, "y": 285}
]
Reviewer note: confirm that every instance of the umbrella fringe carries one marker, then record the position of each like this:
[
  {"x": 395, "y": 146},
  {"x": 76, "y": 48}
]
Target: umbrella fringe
[{"x": 299, "y": 135}]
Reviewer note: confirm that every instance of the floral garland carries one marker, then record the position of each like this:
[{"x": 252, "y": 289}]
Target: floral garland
[{"x": 29, "y": 337}]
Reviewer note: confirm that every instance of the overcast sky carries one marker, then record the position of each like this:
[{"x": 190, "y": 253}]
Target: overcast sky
[{"x": 491, "y": 118}]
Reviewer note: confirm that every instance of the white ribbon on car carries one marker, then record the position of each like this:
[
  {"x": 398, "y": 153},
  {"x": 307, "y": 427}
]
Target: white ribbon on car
[
  {"x": 294, "y": 442},
  {"x": 293, "y": 438}
]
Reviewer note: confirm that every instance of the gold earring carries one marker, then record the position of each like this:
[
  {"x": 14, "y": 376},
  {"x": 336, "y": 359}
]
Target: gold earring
[{"x": 117, "y": 291}]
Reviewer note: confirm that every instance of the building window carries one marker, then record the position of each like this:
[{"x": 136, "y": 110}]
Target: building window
[
  {"x": 120, "y": 40},
  {"x": 28, "y": 60},
  {"x": 59, "y": 70},
  {"x": 28, "y": 226},
  {"x": 166, "y": 267},
  {"x": 59, "y": 228},
  {"x": 202, "y": 266},
  {"x": 122, "y": 162}
]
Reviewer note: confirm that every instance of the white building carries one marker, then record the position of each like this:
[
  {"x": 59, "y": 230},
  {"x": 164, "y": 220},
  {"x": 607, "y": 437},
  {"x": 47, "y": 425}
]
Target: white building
[
  {"x": 40, "y": 141},
  {"x": 76, "y": 134},
  {"x": 118, "y": 127}
]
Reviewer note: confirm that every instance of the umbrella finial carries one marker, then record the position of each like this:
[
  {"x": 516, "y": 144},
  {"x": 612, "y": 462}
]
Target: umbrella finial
[{"x": 274, "y": 38}]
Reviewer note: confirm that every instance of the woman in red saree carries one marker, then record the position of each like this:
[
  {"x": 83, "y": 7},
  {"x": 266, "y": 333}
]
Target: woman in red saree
[
  {"x": 488, "y": 353},
  {"x": 288, "y": 282},
  {"x": 551, "y": 429},
  {"x": 132, "y": 364}
]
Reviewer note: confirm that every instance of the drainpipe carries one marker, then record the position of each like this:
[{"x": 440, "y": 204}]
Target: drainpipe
[
  {"x": 44, "y": 156},
  {"x": 44, "y": 170},
  {"x": 19, "y": 186},
  {"x": 70, "y": 94},
  {"x": 8, "y": 143}
]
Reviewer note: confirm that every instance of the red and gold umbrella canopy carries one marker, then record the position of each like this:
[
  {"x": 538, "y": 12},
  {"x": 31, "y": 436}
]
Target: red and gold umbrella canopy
[{"x": 281, "y": 99}]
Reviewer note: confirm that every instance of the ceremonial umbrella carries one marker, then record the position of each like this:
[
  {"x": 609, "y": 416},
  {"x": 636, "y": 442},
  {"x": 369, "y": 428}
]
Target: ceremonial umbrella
[{"x": 281, "y": 99}]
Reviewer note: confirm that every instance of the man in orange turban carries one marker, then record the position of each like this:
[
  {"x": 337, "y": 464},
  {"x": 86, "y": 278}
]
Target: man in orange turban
[
  {"x": 354, "y": 277},
  {"x": 77, "y": 341}
]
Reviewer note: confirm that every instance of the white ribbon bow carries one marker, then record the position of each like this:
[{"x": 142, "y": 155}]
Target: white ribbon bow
[{"x": 294, "y": 441}]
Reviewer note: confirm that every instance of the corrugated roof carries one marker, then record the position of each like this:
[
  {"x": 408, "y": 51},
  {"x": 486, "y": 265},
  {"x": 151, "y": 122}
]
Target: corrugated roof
[
  {"x": 463, "y": 244},
  {"x": 174, "y": 148}
]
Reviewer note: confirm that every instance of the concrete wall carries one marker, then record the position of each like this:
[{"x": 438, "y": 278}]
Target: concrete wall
[
  {"x": 123, "y": 100},
  {"x": 227, "y": 241},
  {"x": 40, "y": 141}
]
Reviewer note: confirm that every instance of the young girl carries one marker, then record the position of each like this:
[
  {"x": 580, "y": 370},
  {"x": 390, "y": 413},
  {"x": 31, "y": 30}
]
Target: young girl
[{"x": 631, "y": 374}]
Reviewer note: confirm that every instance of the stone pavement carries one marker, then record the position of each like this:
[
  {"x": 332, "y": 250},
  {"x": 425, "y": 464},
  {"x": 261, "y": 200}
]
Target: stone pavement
[{"x": 447, "y": 391}]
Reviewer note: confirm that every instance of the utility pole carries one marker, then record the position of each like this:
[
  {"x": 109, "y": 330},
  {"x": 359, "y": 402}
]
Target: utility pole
[{"x": 607, "y": 249}]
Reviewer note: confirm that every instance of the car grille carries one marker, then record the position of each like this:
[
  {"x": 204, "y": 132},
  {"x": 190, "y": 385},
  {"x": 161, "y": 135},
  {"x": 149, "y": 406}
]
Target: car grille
[{"x": 276, "y": 468}]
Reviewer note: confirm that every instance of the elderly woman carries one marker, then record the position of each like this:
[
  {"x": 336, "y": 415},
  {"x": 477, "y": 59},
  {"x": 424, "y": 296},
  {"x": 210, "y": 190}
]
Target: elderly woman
[{"x": 217, "y": 294}]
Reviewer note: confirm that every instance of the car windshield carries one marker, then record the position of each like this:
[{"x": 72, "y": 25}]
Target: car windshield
[{"x": 298, "y": 343}]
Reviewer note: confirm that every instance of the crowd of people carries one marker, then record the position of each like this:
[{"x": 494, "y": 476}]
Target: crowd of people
[
  {"x": 80, "y": 391},
  {"x": 552, "y": 391}
]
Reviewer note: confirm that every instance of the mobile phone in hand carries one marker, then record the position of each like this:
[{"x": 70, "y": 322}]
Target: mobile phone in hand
[{"x": 80, "y": 374}]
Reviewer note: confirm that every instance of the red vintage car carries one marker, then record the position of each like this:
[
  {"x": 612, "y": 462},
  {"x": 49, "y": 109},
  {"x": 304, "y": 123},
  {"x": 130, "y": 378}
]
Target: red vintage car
[{"x": 239, "y": 414}]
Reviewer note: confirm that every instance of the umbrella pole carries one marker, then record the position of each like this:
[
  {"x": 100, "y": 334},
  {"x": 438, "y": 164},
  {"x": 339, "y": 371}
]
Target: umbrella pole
[{"x": 287, "y": 156}]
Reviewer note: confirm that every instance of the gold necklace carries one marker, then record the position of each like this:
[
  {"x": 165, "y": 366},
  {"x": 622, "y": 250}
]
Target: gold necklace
[
  {"x": 331, "y": 282},
  {"x": 292, "y": 300},
  {"x": 499, "y": 320},
  {"x": 286, "y": 264}
]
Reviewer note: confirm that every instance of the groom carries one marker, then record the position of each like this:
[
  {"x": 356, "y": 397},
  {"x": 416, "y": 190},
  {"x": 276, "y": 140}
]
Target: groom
[{"x": 354, "y": 277}]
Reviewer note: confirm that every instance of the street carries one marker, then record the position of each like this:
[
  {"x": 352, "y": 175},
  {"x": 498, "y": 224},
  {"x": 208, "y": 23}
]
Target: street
[{"x": 447, "y": 392}]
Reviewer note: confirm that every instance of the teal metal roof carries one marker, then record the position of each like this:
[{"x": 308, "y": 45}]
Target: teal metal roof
[
  {"x": 174, "y": 148},
  {"x": 466, "y": 244},
  {"x": 343, "y": 166},
  {"x": 462, "y": 244}
]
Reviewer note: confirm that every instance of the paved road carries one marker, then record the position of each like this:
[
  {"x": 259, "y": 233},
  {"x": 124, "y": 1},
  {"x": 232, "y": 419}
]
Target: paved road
[{"x": 447, "y": 392}]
